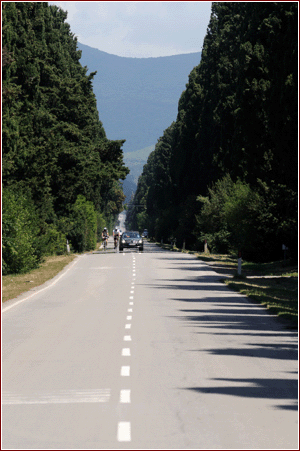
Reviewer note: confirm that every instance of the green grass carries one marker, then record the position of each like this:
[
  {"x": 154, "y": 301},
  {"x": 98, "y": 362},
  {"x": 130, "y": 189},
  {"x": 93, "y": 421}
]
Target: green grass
[
  {"x": 279, "y": 294},
  {"x": 273, "y": 268},
  {"x": 273, "y": 284},
  {"x": 15, "y": 284},
  {"x": 220, "y": 259}
]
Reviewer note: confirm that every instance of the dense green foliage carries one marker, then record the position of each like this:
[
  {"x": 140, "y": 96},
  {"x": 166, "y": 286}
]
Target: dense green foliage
[
  {"x": 54, "y": 146},
  {"x": 19, "y": 233},
  {"x": 84, "y": 231},
  {"x": 235, "y": 140}
]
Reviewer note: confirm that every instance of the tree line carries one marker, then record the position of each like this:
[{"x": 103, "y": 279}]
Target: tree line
[
  {"x": 226, "y": 171},
  {"x": 60, "y": 173}
]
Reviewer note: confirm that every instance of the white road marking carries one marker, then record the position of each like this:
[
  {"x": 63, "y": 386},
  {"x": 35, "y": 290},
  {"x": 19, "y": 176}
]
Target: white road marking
[
  {"x": 128, "y": 317},
  {"x": 130, "y": 303},
  {"x": 43, "y": 289},
  {"x": 127, "y": 338},
  {"x": 132, "y": 292},
  {"x": 129, "y": 310},
  {"x": 124, "y": 431},
  {"x": 127, "y": 326},
  {"x": 58, "y": 397},
  {"x": 126, "y": 352},
  {"x": 130, "y": 297},
  {"x": 125, "y": 396},
  {"x": 125, "y": 371},
  {"x": 102, "y": 267}
]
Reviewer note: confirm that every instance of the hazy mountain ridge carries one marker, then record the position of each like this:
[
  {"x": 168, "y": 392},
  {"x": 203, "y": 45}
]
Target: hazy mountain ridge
[
  {"x": 137, "y": 98},
  {"x": 139, "y": 155},
  {"x": 135, "y": 161}
]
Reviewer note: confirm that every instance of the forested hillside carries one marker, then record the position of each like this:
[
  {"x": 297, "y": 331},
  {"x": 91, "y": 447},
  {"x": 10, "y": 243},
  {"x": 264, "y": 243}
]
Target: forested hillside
[
  {"x": 137, "y": 97},
  {"x": 60, "y": 172},
  {"x": 226, "y": 170},
  {"x": 135, "y": 161}
]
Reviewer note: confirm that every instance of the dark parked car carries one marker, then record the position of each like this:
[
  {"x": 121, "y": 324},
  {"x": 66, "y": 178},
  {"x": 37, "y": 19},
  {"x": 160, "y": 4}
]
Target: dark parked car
[
  {"x": 145, "y": 233},
  {"x": 131, "y": 240}
]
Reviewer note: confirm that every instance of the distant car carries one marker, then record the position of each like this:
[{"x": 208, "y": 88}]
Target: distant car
[
  {"x": 131, "y": 240},
  {"x": 145, "y": 233}
]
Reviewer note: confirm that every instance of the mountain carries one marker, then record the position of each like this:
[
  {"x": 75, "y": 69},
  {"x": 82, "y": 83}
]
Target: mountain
[
  {"x": 137, "y": 98},
  {"x": 135, "y": 161}
]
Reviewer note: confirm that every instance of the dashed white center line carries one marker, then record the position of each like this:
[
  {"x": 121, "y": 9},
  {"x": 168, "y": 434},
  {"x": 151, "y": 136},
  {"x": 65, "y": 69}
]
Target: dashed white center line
[
  {"x": 125, "y": 371},
  {"x": 125, "y": 396},
  {"x": 124, "y": 427},
  {"x": 124, "y": 431}
]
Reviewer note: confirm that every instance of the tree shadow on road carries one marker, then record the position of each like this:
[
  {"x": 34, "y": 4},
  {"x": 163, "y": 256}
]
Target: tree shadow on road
[{"x": 280, "y": 389}]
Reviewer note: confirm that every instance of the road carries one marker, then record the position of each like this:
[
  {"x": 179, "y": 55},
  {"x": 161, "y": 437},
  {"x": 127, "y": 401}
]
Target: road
[{"x": 145, "y": 351}]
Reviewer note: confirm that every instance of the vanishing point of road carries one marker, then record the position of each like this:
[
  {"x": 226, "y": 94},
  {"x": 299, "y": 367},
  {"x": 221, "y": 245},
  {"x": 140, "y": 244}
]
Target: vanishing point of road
[{"x": 145, "y": 351}]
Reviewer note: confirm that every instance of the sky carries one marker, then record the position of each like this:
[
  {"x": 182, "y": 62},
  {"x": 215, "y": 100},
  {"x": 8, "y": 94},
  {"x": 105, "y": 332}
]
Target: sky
[{"x": 139, "y": 29}]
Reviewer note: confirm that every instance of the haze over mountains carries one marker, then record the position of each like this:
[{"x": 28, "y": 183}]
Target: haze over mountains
[{"x": 137, "y": 99}]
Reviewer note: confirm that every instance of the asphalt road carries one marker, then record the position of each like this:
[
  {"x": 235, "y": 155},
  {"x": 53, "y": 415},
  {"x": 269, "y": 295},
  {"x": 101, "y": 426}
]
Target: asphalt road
[{"x": 145, "y": 351}]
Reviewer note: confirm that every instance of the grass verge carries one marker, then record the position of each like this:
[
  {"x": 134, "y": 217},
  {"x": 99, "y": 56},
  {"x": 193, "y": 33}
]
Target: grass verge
[
  {"x": 274, "y": 284},
  {"x": 14, "y": 285},
  {"x": 279, "y": 294}
]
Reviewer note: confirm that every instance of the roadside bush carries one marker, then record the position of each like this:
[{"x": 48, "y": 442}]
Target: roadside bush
[
  {"x": 211, "y": 223},
  {"x": 84, "y": 231},
  {"x": 53, "y": 242},
  {"x": 19, "y": 233},
  {"x": 235, "y": 217}
]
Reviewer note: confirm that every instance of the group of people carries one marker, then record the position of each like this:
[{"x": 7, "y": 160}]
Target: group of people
[{"x": 116, "y": 237}]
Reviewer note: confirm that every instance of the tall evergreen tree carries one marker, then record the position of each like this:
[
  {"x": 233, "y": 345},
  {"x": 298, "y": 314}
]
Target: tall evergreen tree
[
  {"x": 237, "y": 116},
  {"x": 53, "y": 144}
]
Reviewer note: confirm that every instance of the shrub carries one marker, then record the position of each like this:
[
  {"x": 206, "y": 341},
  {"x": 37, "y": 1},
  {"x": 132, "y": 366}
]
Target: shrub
[
  {"x": 19, "y": 233},
  {"x": 84, "y": 231}
]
